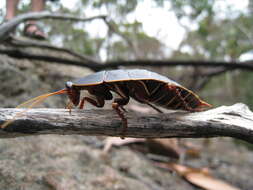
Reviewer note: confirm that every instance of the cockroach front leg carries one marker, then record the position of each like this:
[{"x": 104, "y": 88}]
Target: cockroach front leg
[
  {"x": 97, "y": 101},
  {"x": 69, "y": 106},
  {"x": 117, "y": 105}
]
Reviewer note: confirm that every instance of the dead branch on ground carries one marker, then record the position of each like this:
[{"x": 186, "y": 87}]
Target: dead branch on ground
[
  {"x": 95, "y": 66},
  {"x": 16, "y": 42}
]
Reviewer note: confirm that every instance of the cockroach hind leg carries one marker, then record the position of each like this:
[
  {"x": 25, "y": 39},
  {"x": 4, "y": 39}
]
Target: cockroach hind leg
[
  {"x": 154, "y": 107},
  {"x": 120, "y": 113},
  {"x": 123, "y": 109},
  {"x": 124, "y": 129}
]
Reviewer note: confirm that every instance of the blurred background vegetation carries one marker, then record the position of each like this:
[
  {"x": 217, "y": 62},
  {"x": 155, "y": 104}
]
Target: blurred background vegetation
[{"x": 212, "y": 30}]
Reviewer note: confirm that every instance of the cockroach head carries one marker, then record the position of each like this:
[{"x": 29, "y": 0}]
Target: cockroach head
[
  {"x": 68, "y": 84},
  {"x": 73, "y": 93}
]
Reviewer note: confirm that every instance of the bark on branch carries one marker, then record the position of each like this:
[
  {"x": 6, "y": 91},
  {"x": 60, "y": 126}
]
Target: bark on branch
[{"x": 230, "y": 121}]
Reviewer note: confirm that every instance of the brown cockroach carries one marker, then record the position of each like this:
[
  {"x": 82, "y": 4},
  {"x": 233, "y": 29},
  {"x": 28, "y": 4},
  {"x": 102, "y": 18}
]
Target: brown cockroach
[{"x": 144, "y": 86}]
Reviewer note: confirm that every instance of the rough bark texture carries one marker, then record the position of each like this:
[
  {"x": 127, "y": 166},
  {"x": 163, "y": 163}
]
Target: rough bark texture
[{"x": 232, "y": 121}]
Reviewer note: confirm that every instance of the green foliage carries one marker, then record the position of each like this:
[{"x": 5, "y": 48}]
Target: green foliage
[
  {"x": 246, "y": 81},
  {"x": 244, "y": 143},
  {"x": 122, "y": 7},
  {"x": 220, "y": 39},
  {"x": 192, "y": 8},
  {"x": 142, "y": 45}
]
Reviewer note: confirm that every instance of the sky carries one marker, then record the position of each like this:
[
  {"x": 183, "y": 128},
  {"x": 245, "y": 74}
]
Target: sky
[{"x": 157, "y": 22}]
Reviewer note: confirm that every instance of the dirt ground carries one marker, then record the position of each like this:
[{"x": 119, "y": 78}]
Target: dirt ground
[{"x": 77, "y": 162}]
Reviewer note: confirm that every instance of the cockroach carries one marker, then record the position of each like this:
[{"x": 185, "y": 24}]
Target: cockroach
[{"x": 144, "y": 86}]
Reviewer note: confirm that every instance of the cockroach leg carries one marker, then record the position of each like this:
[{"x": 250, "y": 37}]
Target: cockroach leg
[
  {"x": 117, "y": 105},
  {"x": 183, "y": 100},
  {"x": 97, "y": 101},
  {"x": 81, "y": 105},
  {"x": 141, "y": 93},
  {"x": 120, "y": 113},
  {"x": 69, "y": 106},
  {"x": 154, "y": 107},
  {"x": 123, "y": 109}
]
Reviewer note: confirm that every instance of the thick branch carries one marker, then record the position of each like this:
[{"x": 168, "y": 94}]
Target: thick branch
[
  {"x": 20, "y": 54},
  {"x": 16, "y": 42},
  {"x": 247, "y": 65},
  {"x": 231, "y": 121},
  {"x": 6, "y": 28}
]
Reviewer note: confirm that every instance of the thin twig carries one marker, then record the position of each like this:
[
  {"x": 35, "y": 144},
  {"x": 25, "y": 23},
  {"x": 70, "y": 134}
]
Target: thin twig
[{"x": 112, "y": 27}]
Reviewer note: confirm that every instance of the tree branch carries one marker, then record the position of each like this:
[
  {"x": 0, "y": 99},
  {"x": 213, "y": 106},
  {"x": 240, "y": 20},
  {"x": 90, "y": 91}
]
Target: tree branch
[
  {"x": 19, "y": 54},
  {"x": 247, "y": 65},
  {"x": 230, "y": 121},
  {"x": 16, "y": 42},
  {"x": 95, "y": 66},
  {"x": 9, "y": 26}
]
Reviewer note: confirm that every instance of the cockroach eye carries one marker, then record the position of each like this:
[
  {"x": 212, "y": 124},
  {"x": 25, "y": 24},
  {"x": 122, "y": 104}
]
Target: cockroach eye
[{"x": 68, "y": 84}]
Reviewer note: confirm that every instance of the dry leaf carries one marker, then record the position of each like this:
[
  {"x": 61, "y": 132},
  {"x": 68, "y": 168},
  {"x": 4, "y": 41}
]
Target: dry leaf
[
  {"x": 198, "y": 177},
  {"x": 167, "y": 147},
  {"x": 193, "y": 153},
  {"x": 117, "y": 141},
  {"x": 192, "y": 150}
]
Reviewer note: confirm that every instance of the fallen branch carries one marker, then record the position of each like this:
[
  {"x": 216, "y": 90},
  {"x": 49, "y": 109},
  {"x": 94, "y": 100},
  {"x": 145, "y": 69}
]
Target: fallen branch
[
  {"x": 246, "y": 65},
  {"x": 16, "y": 42},
  {"x": 95, "y": 66},
  {"x": 229, "y": 121},
  {"x": 19, "y": 54}
]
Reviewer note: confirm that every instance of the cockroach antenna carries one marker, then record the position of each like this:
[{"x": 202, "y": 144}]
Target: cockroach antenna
[{"x": 33, "y": 102}]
